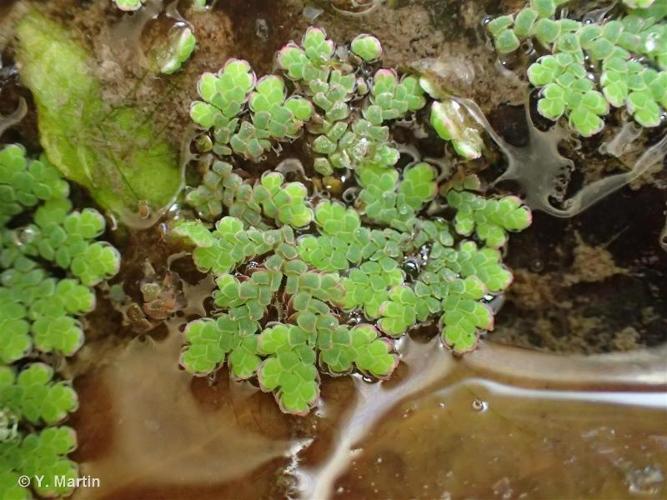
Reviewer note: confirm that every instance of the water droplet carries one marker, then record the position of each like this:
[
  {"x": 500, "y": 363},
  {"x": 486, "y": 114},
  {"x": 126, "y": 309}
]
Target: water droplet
[
  {"x": 203, "y": 143},
  {"x": 26, "y": 235},
  {"x": 354, "y": 318},
  {"x": 332, "y": 184},
  {"x": 424, "y": 253},
  {"x": 479, "y": 405},
  {"x": 486, "y": 20},
  {"x": 411, "y": 268}
]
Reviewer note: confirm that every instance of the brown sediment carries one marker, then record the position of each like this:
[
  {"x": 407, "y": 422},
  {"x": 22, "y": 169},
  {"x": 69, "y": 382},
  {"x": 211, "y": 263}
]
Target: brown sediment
[
  {"x": 591, "y": 264},
  {"x": 579, "y": 285}
]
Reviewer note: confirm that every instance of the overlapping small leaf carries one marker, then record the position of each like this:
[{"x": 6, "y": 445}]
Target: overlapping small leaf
[
  {"x": 286, "y": 305},
  {"x": 39, "y": 314},
  {"x": 614, "y": 46}
]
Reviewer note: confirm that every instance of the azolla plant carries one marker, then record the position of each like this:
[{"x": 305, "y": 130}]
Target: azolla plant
[
  {"x": 129, "y": 5},
  {"x": 309, "y": 282},
  {"x": 49, "y": 262},
  {"x": 589, "y": 68}
]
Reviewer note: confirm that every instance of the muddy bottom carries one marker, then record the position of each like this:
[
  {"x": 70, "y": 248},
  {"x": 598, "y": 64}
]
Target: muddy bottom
[
  {"x": 481, "y": 439},
  {"x": 591, "y": 284},
  {"x": 441, "y": 429}
]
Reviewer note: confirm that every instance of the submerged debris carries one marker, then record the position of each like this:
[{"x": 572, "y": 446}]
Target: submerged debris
[{"x": 115, "y": 152}]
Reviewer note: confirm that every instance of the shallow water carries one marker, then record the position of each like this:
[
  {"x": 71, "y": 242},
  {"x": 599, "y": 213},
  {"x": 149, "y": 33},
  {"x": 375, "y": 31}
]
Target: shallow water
[
  {"x": 441, "y": 429},
  {"x": 477, "y": 438}
]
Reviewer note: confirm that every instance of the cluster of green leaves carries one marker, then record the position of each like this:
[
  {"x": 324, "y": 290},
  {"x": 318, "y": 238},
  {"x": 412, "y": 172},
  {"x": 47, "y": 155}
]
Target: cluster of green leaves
[
  {"x": 271, "y": 197},
  {"x": 348, "y": 138},
  {"x": 346, "y": 270},
  {"x": 385, "y": 200},
  {"x": 129, "y": 5},
  {"x": 32, "y": 394},
  {"x": 283, "y": 355},
  {"x": 378, "y": 286},
  {"x": 628, "y": 54},
  {"x": 357, "y": 277},
  {"x": 343, "y": 241},
  {"x": 41, "y": 453},
  {"x": 58, "y": 235},
  {"x": 39, "y": 314},
  {"x": 489, "y": 218},
  {"x": 244, "y": 115},
  {"x": 221, "y": 188}
]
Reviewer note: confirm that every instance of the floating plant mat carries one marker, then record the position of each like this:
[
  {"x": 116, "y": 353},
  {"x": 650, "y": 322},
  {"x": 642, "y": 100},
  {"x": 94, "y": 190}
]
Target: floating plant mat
[{"x": 574, "y": 427}]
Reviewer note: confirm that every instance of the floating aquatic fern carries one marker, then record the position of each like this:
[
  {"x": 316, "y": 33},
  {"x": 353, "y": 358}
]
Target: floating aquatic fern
[
  {"x": 40, "y": 454},
  {"x": 272, "y": 117},
  {"x": 129, "y": 5},
  {"x": 309, "y": 284},
  {"x": 628, "y": 56},
  {"x": 39, "y": 314}
]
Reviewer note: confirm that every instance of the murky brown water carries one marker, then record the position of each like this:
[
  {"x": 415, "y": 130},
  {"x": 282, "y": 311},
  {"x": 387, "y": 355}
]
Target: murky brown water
[
  {"x": 442, "y": 429},
  {"x": 479, "y": 439}
]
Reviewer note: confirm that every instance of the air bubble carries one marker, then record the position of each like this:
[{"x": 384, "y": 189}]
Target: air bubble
[
  {"x": 411, "y": 268},
  {"x": 480, "y": 405},
  {"x": 350, "y": 195},
  {"x": 537, "y": 265}
]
